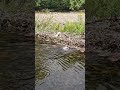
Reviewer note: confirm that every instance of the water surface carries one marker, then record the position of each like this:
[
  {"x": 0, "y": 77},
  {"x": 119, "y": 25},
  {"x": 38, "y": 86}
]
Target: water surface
[{"x": 57, "y": 69}]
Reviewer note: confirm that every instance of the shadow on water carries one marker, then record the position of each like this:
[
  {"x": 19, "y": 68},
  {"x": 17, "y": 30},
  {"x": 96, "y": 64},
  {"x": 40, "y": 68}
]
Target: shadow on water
[
  {"x": 58, "y": 69},
  {"x": 101, "y": 73},
  {"x": 16, "y": 63}
]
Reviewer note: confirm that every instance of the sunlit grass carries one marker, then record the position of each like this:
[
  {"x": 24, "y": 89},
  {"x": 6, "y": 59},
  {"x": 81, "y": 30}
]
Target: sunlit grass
[
  {"x": 48, "y": 25},
  {"x": 72, "y": 27}
]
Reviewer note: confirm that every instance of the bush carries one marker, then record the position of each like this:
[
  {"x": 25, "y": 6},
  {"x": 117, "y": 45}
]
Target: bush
[
  {"x": 76, "y": 4},
  {"x": 13, "y": 6},
  {"x": 102, "y": 8},
  {"x": 60, "y": 4}
]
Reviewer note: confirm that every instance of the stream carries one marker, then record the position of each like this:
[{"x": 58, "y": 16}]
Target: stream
[{"x": 57, "y": 69}]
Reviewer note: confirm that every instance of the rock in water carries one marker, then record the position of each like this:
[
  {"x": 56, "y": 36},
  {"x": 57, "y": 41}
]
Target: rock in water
[{"x": 65, "y": 48}]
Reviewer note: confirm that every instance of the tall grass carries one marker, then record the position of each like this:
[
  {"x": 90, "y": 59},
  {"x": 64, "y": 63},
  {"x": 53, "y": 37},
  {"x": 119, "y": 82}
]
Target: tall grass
[
  {"x": 48, "y": 25},
  {"x": 72, "y": 27},
  {"x": 42, "y": 25}
]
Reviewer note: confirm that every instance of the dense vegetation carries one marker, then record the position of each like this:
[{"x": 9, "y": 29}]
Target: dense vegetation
[
  {"x": 48, "y": 25},
  {"x": 60, "y": 4},
  {"x": 16, "y": 5},
  {"x": 102, "y": 8}
]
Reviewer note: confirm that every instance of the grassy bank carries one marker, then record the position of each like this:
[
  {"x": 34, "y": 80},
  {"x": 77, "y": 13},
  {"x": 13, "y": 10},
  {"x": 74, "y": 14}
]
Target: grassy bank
[{"x": 49, "y": 25}]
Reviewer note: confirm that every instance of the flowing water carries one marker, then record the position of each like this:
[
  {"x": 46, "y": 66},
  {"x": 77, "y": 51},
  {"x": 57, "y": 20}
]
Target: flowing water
[
  {"x": 57, "y": 69},
  {"x": 17, "y": 67}
]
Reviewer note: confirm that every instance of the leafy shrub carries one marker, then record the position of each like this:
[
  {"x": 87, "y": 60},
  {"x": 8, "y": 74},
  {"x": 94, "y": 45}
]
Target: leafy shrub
[
  {"x": 16, "y": 5},
  {"x": 60, "y": 4},
  {"x": 76, "y": 4},
  {"x": 102, "y": 8}
]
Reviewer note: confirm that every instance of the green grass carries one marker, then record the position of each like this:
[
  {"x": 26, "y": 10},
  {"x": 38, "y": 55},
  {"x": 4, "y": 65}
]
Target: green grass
[
  {"x": 72, "y": 27},
  {"x": 48, "y": 25}
]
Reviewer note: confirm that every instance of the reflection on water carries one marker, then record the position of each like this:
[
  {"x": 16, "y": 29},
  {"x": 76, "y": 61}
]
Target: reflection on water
[
  {"x": 57, "y": 69},
  {"x": 17, "y": 66},
  {"x": 101, "y": 73}
]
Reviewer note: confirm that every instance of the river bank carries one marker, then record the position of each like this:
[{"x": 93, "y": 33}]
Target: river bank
[
  {"x": 71, "y": 40},
  {"x": 65, "y": 29}
]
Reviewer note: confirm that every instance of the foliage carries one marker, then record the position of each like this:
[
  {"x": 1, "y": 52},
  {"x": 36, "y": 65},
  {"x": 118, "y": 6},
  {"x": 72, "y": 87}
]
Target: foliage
[
  {"x": 48, "y": 25},
  {"x": 76, "y": 4},
  {"x": 102, "y": 8},
  {"x": 60, "y": 4},
  {"x": 16, "y": 5}
]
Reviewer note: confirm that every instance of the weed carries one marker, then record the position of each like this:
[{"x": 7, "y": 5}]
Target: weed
[{"x": 48, "y": 25}]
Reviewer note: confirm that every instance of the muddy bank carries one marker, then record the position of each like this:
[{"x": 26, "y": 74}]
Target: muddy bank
[{"x": 71, "y": 40}]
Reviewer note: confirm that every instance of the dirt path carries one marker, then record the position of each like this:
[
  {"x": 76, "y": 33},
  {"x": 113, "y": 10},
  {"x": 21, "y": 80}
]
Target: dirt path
[{"x": 58, "y": 17}]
